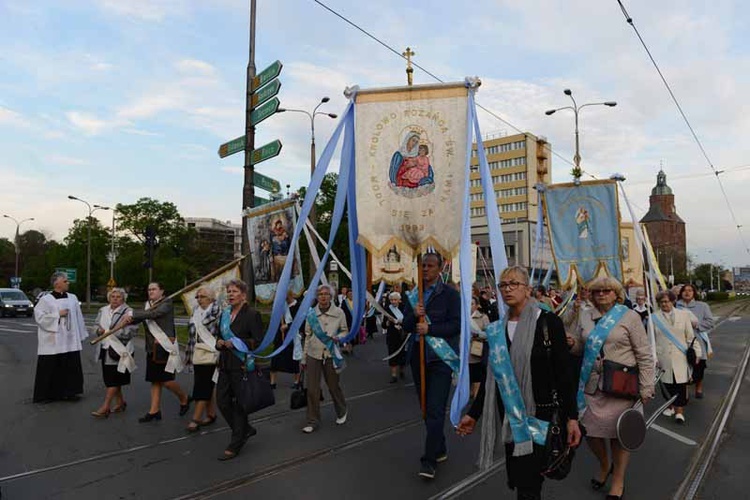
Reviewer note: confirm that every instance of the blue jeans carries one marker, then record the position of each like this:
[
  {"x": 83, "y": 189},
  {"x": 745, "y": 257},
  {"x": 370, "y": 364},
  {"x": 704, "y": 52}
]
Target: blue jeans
[{"x": 438, "y": 376}]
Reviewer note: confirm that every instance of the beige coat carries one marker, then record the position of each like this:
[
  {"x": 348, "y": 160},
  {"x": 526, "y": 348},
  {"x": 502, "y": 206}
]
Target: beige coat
[
  {"x": 333, "y": 323},
  {"x": 627, "y": 344},
  {"x": 671, "y": 359}
]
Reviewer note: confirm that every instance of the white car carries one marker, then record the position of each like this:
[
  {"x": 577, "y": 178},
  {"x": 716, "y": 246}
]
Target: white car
[{"x": 14, "y": 302}]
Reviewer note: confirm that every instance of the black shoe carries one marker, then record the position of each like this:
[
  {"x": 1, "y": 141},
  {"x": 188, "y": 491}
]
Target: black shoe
[
  {"x": 402, "y": 375},
  {"x": 393, "y": 380},
  {"x": 273, "y": 386},
  {"x": 148, "y": 417},
  {"x": 184, "y": 408},
  {"x": 597, "y": 485},
  {"x": 615, "y": 497},
  {"x": 698, "y": 395},
  {"x": 427, "y": 471}
]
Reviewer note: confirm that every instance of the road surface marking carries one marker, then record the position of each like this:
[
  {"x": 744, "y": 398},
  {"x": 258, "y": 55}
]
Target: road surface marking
[
  {"x": 13, "y": 330},
  {"x": 674, "y": 435},
  {"x": 735, "y": 318}
]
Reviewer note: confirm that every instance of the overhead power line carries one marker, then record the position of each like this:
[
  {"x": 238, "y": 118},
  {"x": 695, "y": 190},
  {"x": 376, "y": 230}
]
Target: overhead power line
[{"x": 716, "y": 172}]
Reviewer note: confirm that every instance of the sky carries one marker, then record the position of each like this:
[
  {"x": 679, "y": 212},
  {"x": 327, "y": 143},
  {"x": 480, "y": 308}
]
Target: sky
[{"x": 114, "y": 100}]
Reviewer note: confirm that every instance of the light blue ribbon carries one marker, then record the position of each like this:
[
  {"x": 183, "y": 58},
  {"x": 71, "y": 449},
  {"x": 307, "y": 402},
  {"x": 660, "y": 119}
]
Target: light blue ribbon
[
  {"x": 665, "y": 331},
  {"x": 317, "y": 329},
  {"x": 441, "y": 347},
  {"x": 239, "y": 346},
  {"x": 594, "y": 343},
  {"x": 524, "y": 428}
]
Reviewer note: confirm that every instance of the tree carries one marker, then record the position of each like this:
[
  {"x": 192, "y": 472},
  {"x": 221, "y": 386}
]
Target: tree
[
  {"x": 7, "y": 261},
  {"x": 704, "y": 272},
  {"x": 76, "y": 254},
  {"x": 163, "y": 216}
]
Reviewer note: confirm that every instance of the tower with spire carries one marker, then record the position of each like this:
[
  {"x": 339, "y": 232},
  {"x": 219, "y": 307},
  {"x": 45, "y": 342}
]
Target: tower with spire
[{"x": 666, "y": 229}]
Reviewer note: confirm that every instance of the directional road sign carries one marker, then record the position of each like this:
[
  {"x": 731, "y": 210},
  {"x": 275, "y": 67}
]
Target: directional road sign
[
  {"x": 72, "y": 273},
  {"x": 258, "y": 201},
  {"x": 232, "y": 147},
  {"x": 265, "y": 93},
  {"x": 266, "y": 152},
  {"x": 266, "y": 76},
  {"x": 263, "y": 182},
  {"x": 264, "y": 111}
]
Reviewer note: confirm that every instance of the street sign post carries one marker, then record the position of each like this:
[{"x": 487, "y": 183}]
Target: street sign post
[
  {"x": 264, "y": 111},
  {"x": 71, "y": 273},
  {"x": 265, "y": 93},
  {"x": 258, "y": 201},
  {"x": 266, "y": 152},
  {"x": 232, "y": 147},
  {"x": 15, "y": 282},
  {"x": 266, "y": 75},
  {"x": 266, "y": 183}
]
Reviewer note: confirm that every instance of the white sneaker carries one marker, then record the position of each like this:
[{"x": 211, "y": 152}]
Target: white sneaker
[
  {"x": 308, "y": 429},
  {"x": 342, "y": 420},
  {"x": 679, "y": 418},
  {"x": 669, "y": 412}
]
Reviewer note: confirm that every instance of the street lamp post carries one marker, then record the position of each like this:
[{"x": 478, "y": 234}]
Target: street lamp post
[
  {"x": 16, "y": 242},
  {"x": 88, "y": 245},
  {"x": 112, "y": 254},
  {"x": 577, "y": 172}
]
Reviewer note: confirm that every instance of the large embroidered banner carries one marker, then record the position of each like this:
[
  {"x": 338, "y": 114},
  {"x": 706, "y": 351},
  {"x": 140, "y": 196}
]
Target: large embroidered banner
[
  {"x": 270, "y": 228},
  {"x": 217, "y": 284},
  {"x": 411, "y": 165},
  {"x": 584, "y": 223}
]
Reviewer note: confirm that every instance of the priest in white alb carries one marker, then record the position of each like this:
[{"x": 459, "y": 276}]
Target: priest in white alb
[{"x": 61, "y": 329}]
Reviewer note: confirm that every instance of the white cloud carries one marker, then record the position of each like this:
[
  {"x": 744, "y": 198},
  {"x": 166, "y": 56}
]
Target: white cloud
[
  {"x": 145, "y": 10},
  {"x": 64, "y": 160},
  {"x": 88, "y": 123},
  {"x": 195, "y": 67},
  {"x": 12, "y": 118}
]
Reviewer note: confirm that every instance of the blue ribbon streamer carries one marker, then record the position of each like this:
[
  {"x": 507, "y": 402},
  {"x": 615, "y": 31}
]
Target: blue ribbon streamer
[
  {"x": 441, "y": 347},
  {"x": 317, "y": 329},
  {"x": 594, "y": 343},
  {"x": 665, "y": 331}
]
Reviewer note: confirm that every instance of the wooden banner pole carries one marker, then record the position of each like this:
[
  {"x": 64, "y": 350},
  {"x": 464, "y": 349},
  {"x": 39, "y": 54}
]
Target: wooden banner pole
[{"x": 422, "y": 364}]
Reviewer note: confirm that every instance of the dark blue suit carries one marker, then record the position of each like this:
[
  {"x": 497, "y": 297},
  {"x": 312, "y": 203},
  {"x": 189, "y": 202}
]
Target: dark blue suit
[{"x": 443, "y": 307}]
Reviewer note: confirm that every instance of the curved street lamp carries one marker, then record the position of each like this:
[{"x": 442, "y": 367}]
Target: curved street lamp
[
  {"x": 577, "y": 172},
  {"x": 16, "y": 242},
  {"x": 92, "y": 209}
]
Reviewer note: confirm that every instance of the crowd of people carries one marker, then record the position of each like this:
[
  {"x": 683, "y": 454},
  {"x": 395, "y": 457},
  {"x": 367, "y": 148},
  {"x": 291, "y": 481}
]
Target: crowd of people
[{"x": 560, "y": 353}]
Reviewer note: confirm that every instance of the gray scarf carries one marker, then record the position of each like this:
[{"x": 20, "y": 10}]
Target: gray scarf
[{"x": 520, "y": 358}]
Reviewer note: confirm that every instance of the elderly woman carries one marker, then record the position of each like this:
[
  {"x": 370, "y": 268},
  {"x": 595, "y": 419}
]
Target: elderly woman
[
  {"x": 478, "y": 354},
  {"x": 201, "y": 353},
  {"x": 641, "y": 307},
  {"x": 674, "y": 335},
  {"x": 609, "y": 332},
  {"x": 536, "y": 382},
  {"x": 239, "y": 323},
  {"x": 702, "y": 324},
  {"x": 162, "y": 351},
  {"x": 395, "y": 336},
  {"x": 115, "y": 352},
  {"x": 284, "y": 361}
]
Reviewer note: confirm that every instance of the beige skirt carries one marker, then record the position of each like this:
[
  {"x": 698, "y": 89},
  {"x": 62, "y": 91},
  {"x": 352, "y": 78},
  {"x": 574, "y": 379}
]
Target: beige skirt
[{"x": 602, "y": 412}]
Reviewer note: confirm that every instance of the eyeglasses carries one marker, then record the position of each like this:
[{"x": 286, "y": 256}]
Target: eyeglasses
[
  {"x": 510, "y": 285},
  {"x": 603, "y": 291},
  {"x": 201, "y": 296}
]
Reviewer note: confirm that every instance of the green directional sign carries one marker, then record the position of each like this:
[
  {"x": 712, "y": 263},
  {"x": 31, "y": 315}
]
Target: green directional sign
[
  {"x": 258, "y": 201},
  {"x": 262, "y": 112},
  {"x": 263, "y": 182},
  {"x": 265, "y": 93},
  {"x": 71, "y": 273},
  {"x": 232, "y": 147},
  {"x": 265, "y": 152},
  {"x": 266, "y": 76}
]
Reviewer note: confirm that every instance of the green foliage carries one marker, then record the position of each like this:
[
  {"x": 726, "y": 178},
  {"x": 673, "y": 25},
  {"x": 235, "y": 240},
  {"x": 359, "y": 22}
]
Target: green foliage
[
  {"x": 164, "y": 216},
  {"x": 717, "y": 296},
  {"x": 7, "y": 261}
]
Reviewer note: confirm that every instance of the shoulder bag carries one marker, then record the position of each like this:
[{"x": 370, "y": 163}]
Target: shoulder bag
[
  {"x": 254, "y": 392},
  {"x": 299, "y": 397},
  {"x": 558, "y": 456},
  {"x": 620, "y": 381},
  {"x": 692, "y": 357}
]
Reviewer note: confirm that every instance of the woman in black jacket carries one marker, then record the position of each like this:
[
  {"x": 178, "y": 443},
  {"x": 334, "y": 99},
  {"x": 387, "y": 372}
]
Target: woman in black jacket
[
  {"x": 244, "y": 323},
  {"x": 394, "y": 336},
  {"x": 537, "y": 380}
]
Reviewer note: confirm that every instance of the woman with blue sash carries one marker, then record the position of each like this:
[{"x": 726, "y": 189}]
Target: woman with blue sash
[
  {"x": 241, "y": 330},
  {"x": 532, "y": 379},
  {"x": 674, "y": 335},
  {"x": 609, "y": 331},
  {"x": 702, "y": 324}
]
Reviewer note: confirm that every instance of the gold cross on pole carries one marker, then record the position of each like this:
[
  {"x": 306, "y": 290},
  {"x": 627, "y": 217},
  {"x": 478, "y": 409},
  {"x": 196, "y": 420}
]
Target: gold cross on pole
[{"x": 408, "y": 54}]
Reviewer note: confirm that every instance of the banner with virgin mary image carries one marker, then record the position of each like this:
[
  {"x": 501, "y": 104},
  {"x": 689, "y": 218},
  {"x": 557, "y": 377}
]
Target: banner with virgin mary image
[
  {"x": 584, "y": 223},
  {"x": 410, "y": 151},
  {"x": 270, "y": 228}
]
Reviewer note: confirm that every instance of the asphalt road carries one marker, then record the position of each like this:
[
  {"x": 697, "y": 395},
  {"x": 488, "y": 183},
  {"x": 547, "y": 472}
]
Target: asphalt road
[{"x": 59, "y": 451}]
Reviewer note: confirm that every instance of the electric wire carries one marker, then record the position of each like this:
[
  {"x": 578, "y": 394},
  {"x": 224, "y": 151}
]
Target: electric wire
[{"x": 716, "y": 172}]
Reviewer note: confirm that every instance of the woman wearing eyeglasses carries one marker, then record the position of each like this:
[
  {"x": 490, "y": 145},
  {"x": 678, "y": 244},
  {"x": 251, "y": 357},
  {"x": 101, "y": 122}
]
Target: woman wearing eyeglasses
[
  {"x": 674, "y": 335},
  {"x": 609, "y": 332},
  {"x": 201, "y": 353}
]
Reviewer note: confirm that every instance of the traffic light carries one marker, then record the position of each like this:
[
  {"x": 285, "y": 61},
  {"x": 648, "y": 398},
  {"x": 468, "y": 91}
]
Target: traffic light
[{"x": 150, "y": 244}]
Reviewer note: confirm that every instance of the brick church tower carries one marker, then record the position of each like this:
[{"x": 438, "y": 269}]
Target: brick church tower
[{"x": 666, "y": 229}]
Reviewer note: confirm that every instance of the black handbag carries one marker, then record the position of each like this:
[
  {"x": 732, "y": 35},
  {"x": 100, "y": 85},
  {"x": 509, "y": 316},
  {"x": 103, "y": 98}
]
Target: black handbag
[
  {"x": 113, "y": 354},
  {"x": 620, "y": 381},
  {"x": 254, "y": 392},
  {"x": 299, "y": 397},
  {"x": 692, "y": 357},
  {"x": 558, "y": 456}
]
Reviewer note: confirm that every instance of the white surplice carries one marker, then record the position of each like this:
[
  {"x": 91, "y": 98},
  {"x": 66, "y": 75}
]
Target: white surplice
[{"x": 58, "y": 334}]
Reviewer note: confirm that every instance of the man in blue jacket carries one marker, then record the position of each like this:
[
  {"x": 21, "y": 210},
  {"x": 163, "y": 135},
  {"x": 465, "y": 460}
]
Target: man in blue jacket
[{"x": 442, "y": 306}]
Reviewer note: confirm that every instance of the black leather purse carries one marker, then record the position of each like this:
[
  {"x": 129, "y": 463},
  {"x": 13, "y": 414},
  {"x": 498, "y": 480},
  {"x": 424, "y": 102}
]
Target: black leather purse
[
  {"x": 692, "y": 356},
  {"x": 254, "y": 392},
  {"x": 558, "y": 456},
  {"x": 299, "y": 397}
]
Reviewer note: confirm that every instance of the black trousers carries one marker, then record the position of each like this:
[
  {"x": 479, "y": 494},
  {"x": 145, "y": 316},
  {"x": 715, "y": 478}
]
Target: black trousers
[{"x": 226, "y": 389}]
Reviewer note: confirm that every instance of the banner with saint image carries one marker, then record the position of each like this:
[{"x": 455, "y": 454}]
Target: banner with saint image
[
  {"x": 270, "y": 228},
  {"x": 217, "y": 284},
  {"x": 584, "y": 222},
  {"x": 411, "y": 164}
]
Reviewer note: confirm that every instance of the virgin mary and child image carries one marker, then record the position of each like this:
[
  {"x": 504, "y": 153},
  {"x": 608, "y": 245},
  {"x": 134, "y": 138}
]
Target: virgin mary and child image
[{"x": 410, "y": 172}]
